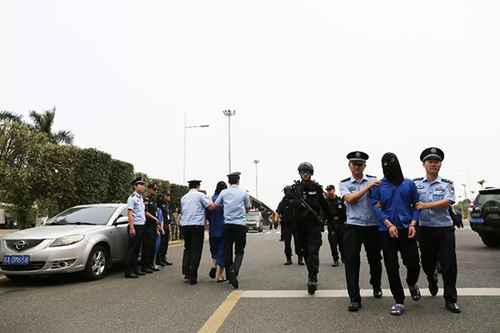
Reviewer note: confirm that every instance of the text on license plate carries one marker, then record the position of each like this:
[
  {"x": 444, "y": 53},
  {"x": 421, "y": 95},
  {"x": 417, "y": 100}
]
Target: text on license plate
[
  {"x": 16, "y": 260},
  {"x": 476, "y": 220}
]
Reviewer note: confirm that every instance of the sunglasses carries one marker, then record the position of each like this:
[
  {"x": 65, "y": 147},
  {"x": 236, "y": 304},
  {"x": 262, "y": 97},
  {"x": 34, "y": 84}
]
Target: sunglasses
[{"x": 305, "y": 172}]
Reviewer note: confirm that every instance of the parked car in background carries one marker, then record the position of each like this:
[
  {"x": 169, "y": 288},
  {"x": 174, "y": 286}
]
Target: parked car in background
[
  {"x": 485, "y": 216},
  {"x": 85, "y": 239},
  {"x": 254, "y": 220}
]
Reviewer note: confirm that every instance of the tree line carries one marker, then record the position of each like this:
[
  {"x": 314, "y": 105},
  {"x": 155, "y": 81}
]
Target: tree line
[{"x": 42, "y": 173}]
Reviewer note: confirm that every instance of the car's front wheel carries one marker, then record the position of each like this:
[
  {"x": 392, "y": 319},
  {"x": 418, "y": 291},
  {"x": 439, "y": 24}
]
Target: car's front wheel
[
  {"x": 96, "y": 263},
  {"x": 490, "y": 241}
]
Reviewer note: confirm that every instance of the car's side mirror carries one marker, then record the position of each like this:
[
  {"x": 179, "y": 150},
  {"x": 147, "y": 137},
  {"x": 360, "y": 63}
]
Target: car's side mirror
[{"x": 121, "y": 220}]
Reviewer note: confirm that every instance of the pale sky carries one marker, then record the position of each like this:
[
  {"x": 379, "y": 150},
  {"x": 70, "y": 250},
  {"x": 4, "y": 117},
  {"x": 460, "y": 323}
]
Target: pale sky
[{"x": 309, "y": 80}]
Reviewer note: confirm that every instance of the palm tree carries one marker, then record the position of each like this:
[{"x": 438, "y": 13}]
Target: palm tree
[
  {"x": 11, "y": 117},
  {"x": 43, "y": 122},
  {"x": 481, "y": 182}
]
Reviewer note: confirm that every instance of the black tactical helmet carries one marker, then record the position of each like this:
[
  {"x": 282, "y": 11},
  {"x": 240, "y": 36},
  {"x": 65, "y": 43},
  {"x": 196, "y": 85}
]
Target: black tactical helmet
[{"x": 306, "y": 166}]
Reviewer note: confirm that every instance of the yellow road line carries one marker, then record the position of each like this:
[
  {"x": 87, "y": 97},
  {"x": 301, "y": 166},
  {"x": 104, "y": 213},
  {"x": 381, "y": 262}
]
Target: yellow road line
[{"x": 215, "y": 321}]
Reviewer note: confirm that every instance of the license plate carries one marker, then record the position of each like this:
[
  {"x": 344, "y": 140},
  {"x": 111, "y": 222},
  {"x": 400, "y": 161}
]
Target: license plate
[
  {"x": 476, "y": 220},
  {"x": 16, "y": 260}
]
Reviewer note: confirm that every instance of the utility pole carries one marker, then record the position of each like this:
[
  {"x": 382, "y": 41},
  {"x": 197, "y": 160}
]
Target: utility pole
[
  {"x": 256, "y": 180},
  {"x": 229, "y": 114}
]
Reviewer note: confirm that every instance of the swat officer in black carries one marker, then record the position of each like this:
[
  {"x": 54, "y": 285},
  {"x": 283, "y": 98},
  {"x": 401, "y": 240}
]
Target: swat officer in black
[
  {"x": 308, "y": 202},
  {"x": 163, "y": 204},
  {"x": 336, "y": 229},
  {"x": 152, "y": 223},
  {"x": 285, "y": 211}
]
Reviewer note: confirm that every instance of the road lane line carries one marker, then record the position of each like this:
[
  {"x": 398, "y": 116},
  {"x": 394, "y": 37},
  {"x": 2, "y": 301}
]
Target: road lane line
[
  {"x": 364, "y": 293},
  {"x": 219, "y": 316}
]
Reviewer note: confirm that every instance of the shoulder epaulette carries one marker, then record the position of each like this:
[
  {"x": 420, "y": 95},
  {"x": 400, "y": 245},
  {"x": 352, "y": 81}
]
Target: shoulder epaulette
[
  {"x": 418, "y": 178},
  {"x": 371, "y": 176},
  {"x": 446, "y": 180},
  {"x": 344, "y": 180}
]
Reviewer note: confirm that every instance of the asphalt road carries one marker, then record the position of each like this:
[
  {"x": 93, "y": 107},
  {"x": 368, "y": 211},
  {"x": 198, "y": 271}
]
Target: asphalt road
[{"x": 271, "y": 298}]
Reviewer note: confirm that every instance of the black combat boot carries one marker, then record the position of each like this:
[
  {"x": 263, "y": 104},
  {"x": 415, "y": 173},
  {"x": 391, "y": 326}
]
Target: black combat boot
[
  {"x": 288, "y": 260},
  {"x": 301, "y": 261}
]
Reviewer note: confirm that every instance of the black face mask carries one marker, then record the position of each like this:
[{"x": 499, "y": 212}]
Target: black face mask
[{"x": 392, "y": 171}]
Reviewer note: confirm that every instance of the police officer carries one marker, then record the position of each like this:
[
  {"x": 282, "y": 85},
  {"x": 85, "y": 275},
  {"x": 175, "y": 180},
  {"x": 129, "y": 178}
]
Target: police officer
[
  {"x": 136, "y": 221},
  {"x": 361, "y": 228},
  {"x": 285, "y": 211},
  {"x": 336, "y": 233},
  {"x": 308, "y": 202},
  {"x": 236, "y": 203},
  {"x": 436, "y": 230},
  {"x": 165, "y": 235},
  {"x": 193, "y": 206},
  {"x": 152, "y": 230}
]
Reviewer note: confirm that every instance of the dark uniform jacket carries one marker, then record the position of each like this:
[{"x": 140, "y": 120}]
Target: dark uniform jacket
[
  {"x": 285, "y": 209},
  {"x": 151, "y": 207},
  {"x": 338, "y": 209},
  {"x": 165, "y": 209},
  {"x": 312, "y": 194}
]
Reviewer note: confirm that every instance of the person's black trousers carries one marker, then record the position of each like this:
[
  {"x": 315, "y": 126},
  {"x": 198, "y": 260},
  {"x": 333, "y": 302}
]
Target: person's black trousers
[
  {"x": 409, "y": 254},
  {"x": 162, "y": 252},
  {"x": 440, "y": 242},
  {"x": 335, "y": 240},
  {"x": 289, "y": 231},
  {"x": 133, "y": 248},
  {"x": 148, "y": 249},
  {"x": 354, "y": 237},
  {"x": 309, "y": 236},
  {"x": 193, "y": 246},
  {"x": 237, "y": 235}
]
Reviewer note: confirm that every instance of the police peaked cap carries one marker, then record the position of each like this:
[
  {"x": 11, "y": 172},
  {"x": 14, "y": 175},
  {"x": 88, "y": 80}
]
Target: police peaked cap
[
  {"x": 152, "y": 186},
  {"x": 194, "y": 183},
  {"x": 138, "y": 181},
  {"x": 357, "y": 157},
  {"x": 330, "y": 187},
  {"x": 432, "y": 153},
  {"x": 167, "y": 193},
  {"x": 235, "y": 174}
]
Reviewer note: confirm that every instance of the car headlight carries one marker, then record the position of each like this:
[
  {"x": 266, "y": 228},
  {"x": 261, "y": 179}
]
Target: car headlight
[{"x": 67, "y": 240}]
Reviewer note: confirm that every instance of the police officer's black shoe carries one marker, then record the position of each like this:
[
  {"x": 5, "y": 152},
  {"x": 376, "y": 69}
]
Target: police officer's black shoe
[
  {"x": 335, "y": 263},
  {"x": 288, "y": 261},
  {"x": 312, "y": 286},
  {"x": 354, "y": 306},
  {"x": 433, "y": 288},
  {"x": 131, "y": 276},
  {"x": 377, "y": 293},
  {"x": 453, "y": 307},
  {"x": 301, "y": 261},
  {"x": 147, "y": 270},
  {"x": 166, "y": 263},
  {"x": 193, "y": 281},
  {"x": 232, "y": 278},
  {"x": 139, "y": 273}
]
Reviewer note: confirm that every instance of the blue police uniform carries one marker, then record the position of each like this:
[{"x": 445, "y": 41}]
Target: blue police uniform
[
  {"x": 135, "y": 203},
  {"x": 235, "y": 202},
  {"x": 361, "y": 228},
  {"x": 437, "y": 236},
  {"x": 193, "y": 206}
]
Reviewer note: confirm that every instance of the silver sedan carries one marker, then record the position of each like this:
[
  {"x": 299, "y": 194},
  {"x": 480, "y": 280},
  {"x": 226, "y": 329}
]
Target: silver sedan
[{"x": 82, "y": 238}]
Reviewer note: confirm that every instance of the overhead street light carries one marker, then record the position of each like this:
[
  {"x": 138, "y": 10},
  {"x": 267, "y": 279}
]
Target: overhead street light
[
  {"x": 186, "y": 127},
  {"x": 256, "y": 180},
  {"x": 229, "y": 114}
]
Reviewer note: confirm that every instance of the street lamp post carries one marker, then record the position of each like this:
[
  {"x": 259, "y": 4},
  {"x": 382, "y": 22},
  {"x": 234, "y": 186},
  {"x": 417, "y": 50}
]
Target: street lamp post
[
  {"x": 186, "y": 127},
  {"x": 229, "y": 114},
  {"x": 256, "y": 180}
]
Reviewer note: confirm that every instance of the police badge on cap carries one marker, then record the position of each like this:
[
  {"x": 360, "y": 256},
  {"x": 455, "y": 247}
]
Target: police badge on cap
[
  {"x": 432, "y": 153},
  {"x": 357, "y": 157}
]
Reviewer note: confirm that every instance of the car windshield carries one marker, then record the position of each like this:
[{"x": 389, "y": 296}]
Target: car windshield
[
  {"x": 486, "y": 197},
  {"x": 83, "y": 215},
  {"x": 253, "y": 217}
]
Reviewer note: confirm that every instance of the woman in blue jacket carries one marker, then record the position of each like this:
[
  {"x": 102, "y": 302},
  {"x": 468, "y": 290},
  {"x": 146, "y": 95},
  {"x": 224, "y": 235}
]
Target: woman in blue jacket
[
  {"x": 216, "y": 235},
  {"x": 393, "y": 203}
]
